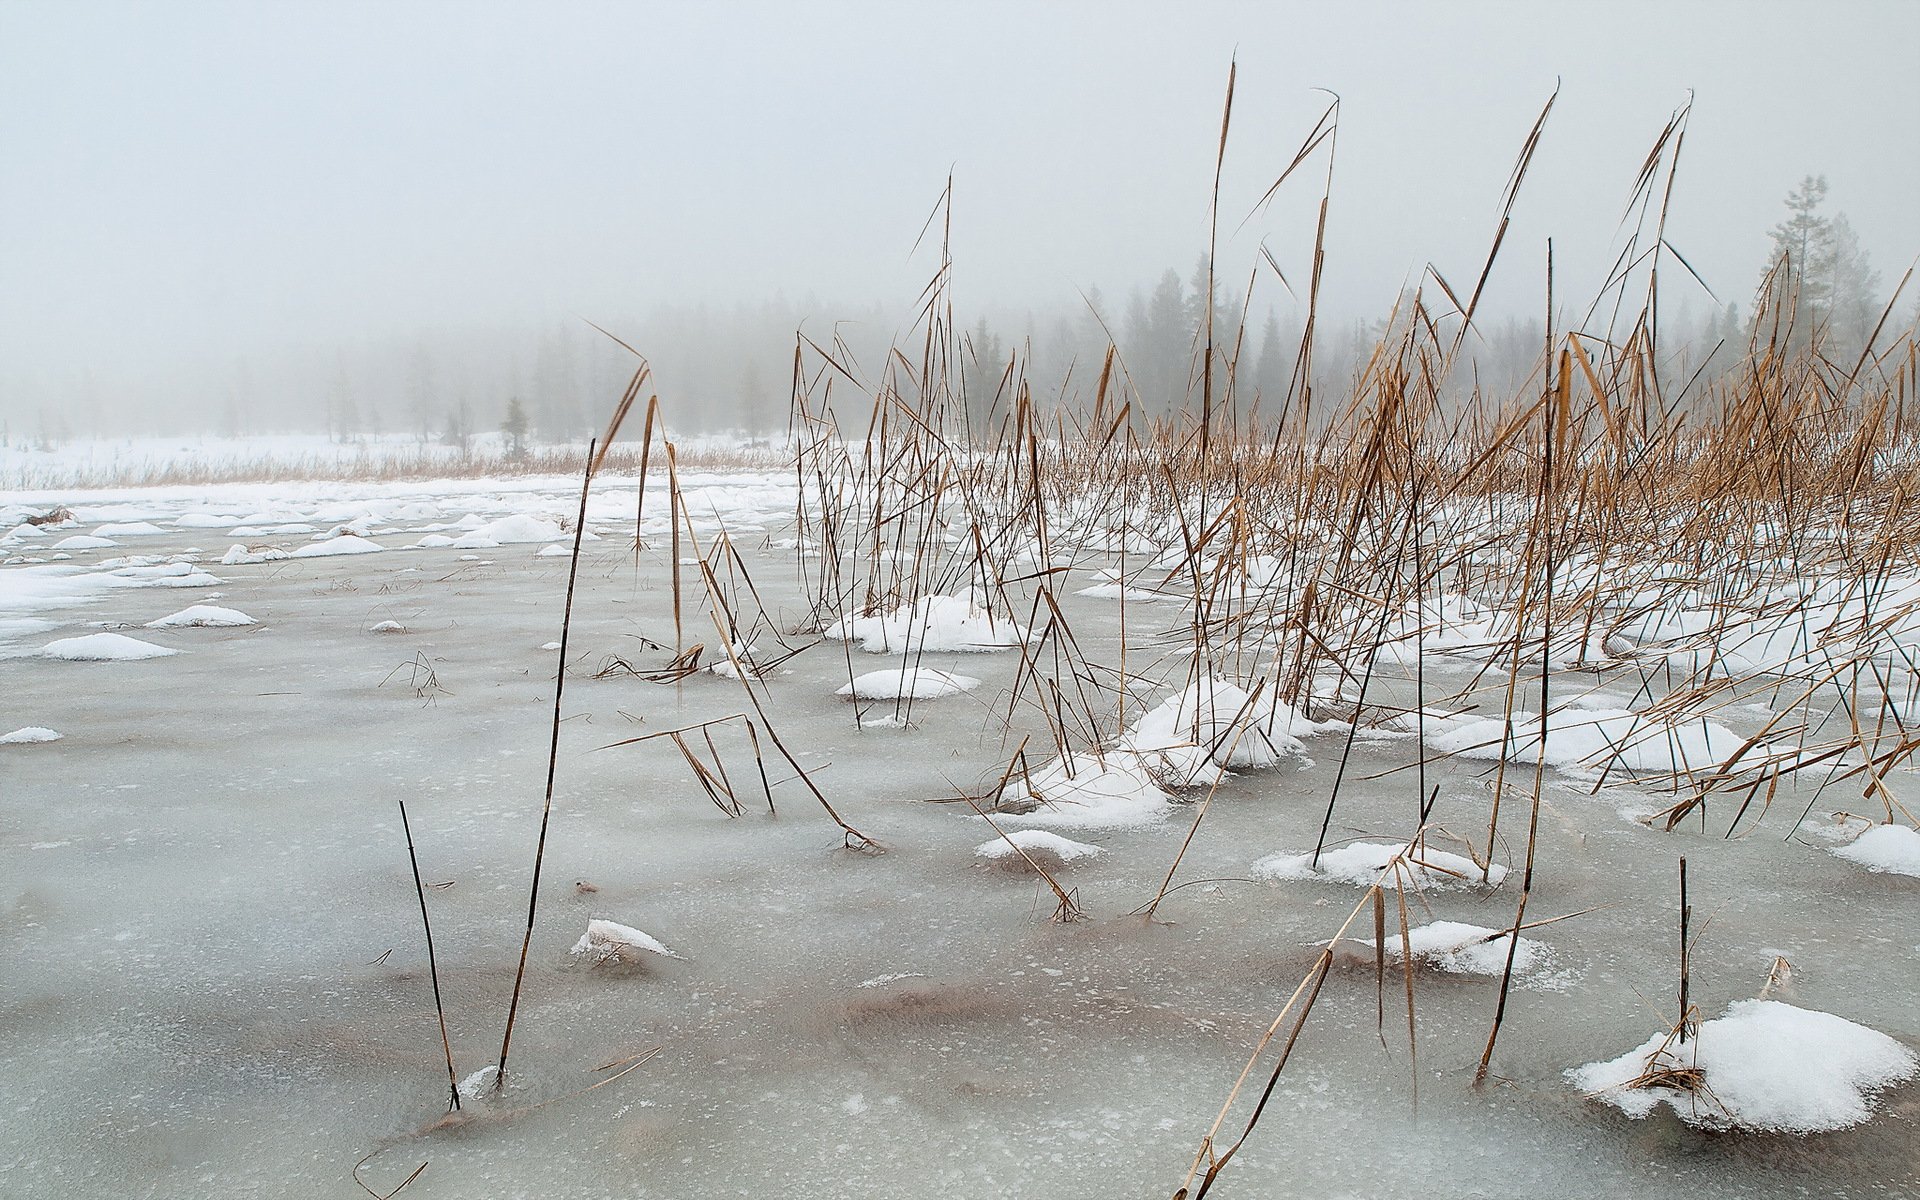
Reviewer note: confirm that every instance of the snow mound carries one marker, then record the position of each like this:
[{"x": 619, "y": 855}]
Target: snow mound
[
  {"x": 1190, "y": 739},
  {"x": 517, "y": 528},
  {"x": 169, "y": 574},
  {"x": 1766, "y": 1066},
  {"x": 81, "y": 541},
  {"x": 104, "y": 647},
  {"x": 1360, "y": 863},
  {"x": 387, "y": 627},
  {"x": 913, "y": 683},
  {"x": 1463, "y": 949},
  {"x": 552, "y": 552},
  {"x": 346, "y": 543},
  {"x": 1085, "y": 791},
  {"x": 1592, "y": 739},
  {"x": 203, "y": 616},
  {"x": 240, "y": 556},
  {"x": 128, "y": 529},
  {"x": 1037, "y": 842},
  {"x": 932, "y": 623},
  {"x": 611, "y": 942},
  {"x": 28, "y": 736},
  {"x": 433, "y": 541},
  {"x": 1889, "y": 849}
]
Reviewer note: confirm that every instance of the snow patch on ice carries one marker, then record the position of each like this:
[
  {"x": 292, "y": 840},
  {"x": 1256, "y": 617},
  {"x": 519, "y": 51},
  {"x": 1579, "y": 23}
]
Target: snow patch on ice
[
  {"x": 1087, "y": 791},
  {"x": 346, "y": 543},
  {"x": 203, "y": 616},
  {"x": 28, "y": 736},
  {"x": 931, "y": 623},
  {"x": 611, "y": 942},
  {"x": 1361, "y": 863},
  {"x": 1766, "y": 1065},
  {"x": 104, "y": 647},
  {"x": 1038, "y": 842},
  {"x": 1888, "y": 849},
  {"x": 916, "y": 683}
]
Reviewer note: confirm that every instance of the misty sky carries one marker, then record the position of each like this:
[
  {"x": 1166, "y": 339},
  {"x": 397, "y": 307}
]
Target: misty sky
[{"x": 188, "y": 182}]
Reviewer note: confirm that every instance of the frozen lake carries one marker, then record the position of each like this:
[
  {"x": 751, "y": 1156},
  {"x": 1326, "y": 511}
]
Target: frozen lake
[{"x": 213, "y": 979}]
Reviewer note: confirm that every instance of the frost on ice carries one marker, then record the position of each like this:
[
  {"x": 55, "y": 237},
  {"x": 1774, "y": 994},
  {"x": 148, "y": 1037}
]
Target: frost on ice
[
  {"x": 611, "y": 942},
  {"x": 1764, "y": 1065},
  {"x": 104, "y": 647},
  {"x": 909, "y": 683}
]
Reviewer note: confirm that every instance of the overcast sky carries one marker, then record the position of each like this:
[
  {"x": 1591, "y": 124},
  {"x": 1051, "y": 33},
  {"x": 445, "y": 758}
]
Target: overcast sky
[{"x": 191, "y": 181}]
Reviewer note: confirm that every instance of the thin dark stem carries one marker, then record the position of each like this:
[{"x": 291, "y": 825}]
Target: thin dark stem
[
  {"x": 553, "y": 760},
  {"x": 433, "y": 967}
]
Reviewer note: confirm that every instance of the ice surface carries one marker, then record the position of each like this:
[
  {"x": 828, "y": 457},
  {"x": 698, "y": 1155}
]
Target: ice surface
[
  {"x": 1893, "y": 849},
  {"x": 918, "y": 683},
  {"x": 207, "y": 616},
  {"x": 104, "y": 647},
  {"x": 1766, "y": 1065}
]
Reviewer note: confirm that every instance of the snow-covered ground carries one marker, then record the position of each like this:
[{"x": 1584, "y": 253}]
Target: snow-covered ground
[{"x": 214, "y": 977}]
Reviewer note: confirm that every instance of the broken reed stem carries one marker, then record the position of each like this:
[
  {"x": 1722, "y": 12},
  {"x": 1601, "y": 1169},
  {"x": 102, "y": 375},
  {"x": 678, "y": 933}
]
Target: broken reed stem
[
  {"x": 433, "y": 967},
  {"x": 1686, "y": 914},
  {"x": 553, "y": 761}
]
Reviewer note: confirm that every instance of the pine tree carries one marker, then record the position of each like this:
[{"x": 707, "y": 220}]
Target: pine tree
[{"x": 514, "y": 426}]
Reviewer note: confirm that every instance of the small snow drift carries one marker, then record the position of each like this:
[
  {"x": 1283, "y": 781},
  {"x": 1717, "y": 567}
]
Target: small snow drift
[
  {"x": 104, "y": 647},
  {"x": 81, "y": 541},
  {"x": 932, "y": 623},
  {"x": 1888, "y": 849},
  {"x": 611, "y": 942},
  {"x": 28, "y": 736},
  {"x": 203, "y": 616},
  {"x": 1360, "y": 863},
  {"x": 1048, "y": 849},
  {"x": 1461, "y": 949},
  {"x": 346, "y": 543},
  {"x": 477, "y": 1085},
  {"x": 908, "y": 683},
  {"x": 517, "y": 528},
  {"x": 1581, "y": 739},
  {"x": 238, "y": 555},
  {"x": 1189, "y": 740},
  {"x": 1764, "y": 1066},
  {"x": 1086, "y": 791},
  {"x": 387, "y": 627}
]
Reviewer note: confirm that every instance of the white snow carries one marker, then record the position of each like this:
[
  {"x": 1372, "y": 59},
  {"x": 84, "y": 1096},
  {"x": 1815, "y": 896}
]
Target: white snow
[
  {"x": 1036, "y": 841},
  {"x": 346, "y": 543},
  {"x": 607, "y": 941},
  {"x": 477, "y": 1085},
  {"x": 520, "y": 527},
  {"x": 932, "y": 623},
  {"x": 553, "y": 552},
  {"x": 204, "y": 616},
  {"x": 28, "y": 735},
  {"x": 1086, "y": 791},
  {"x": 1190, "y": 739},
  {"x": 1463, "y": 949},
  {"x": 104, "y": 647},
  {"x": 1591, "y": 739},
  {"x": 1890, "y": 849},
  {"x": 128, "y": 529},
  {"x": 387, "y": 627},
  {"x": 917, "y": 683},
  {"x": 239, "y": 555},
  {"x": 81, "y": 541},
  {"x": 1360, "y": 863},
  {"x": 1767, "y": 1066}
]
